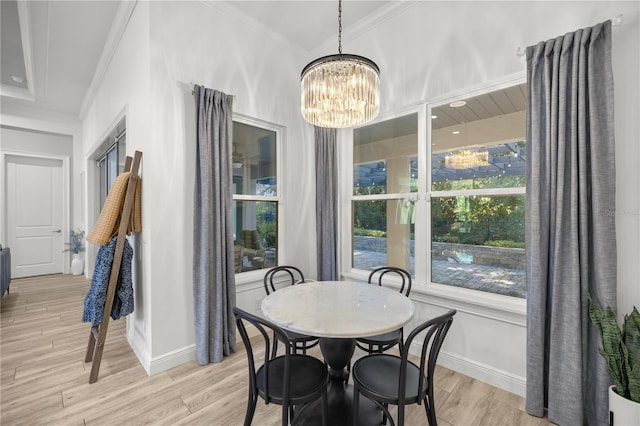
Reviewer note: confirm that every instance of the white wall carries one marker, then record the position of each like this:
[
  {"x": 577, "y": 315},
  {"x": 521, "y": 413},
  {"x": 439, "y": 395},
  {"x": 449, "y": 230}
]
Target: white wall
[
  {"x": 426, "y": 50},
  {"x": 28, "y": 141},
  {"x": 207, "y": 45},
  {"x": 430, "y": 50},
  {"x": 125, "y": 92},
  {"x": 168, "y": 46}
]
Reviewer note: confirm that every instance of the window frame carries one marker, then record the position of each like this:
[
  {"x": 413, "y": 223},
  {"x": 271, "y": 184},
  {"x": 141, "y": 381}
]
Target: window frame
[
  {"x": 391, "y": 196},
  {"x": 258, "y": 274},
  {"x": 118, "y": 146},
  {"x": 505, "y": 308}
]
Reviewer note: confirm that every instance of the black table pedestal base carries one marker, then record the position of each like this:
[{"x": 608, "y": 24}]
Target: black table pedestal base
[
  {"x": 338, "y": 353},
  {"x": 340, "y": 399}
]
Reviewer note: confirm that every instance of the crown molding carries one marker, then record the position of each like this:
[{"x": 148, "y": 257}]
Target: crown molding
[
  {"x": 27, "y": 46},
  {"x": 250, "y": 22},
  {"x": 370, "y": 21},
  {"x": 378, "y": 17},
  {"x": 120, "y": 22},
  {"x": 28, "y": 93}
]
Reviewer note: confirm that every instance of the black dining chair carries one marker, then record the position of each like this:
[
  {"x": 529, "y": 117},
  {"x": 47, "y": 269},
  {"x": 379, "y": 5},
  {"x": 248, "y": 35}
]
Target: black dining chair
[
  {"x": 290, "y": 380},
  {"x": 394, "y": 380},
  {"x": 292, "y": 275},
  {"x": 382, "y": 342}
]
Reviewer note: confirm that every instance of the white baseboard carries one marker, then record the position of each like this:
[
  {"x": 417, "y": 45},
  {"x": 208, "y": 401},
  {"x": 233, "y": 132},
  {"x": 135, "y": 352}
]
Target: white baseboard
[
  {"x": 138, "y": 346},
  {"x": 485, "y": 373},
  {"x": 491, "y": 375},
  {"x": 171, "y": 359}
]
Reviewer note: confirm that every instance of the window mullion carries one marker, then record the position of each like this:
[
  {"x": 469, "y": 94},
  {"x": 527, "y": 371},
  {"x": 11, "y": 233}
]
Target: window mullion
[{"x": 479, "y": 192}]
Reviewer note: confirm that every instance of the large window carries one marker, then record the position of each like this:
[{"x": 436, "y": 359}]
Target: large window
[
  {"x": 477, "y": 192},
  {"x": 255, "y": 196},
  {"x": 385, "y": 176},
  {"x": 465, "y": 214}
]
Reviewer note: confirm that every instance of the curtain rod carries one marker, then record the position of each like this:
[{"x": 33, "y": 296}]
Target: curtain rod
[
  {"x": 615, "y": 22},
  {"x": 192, "y": 85}
]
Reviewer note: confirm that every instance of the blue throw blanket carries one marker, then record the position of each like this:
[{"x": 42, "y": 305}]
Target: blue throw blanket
[{"x": 123, "y": 300}]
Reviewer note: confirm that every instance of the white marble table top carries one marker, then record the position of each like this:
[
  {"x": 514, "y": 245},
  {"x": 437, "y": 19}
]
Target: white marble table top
[{"x": 338, "y": 309}]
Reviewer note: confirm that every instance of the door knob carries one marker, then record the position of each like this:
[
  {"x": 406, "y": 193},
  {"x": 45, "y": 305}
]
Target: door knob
[{"x": 58, "y": 231}]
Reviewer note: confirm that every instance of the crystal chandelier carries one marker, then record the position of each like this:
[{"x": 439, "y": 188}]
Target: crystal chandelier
[
  {"x": 340, "y": 90},
  {"x": 466, "y": 159}
]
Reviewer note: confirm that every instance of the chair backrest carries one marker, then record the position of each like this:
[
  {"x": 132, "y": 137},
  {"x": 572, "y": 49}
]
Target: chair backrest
[
  {"x": 266, "y": 329},
  {"x": 405, "y": 288},
  {"x": 295, "y": 276},
  {"x": 435, "y": 330}
]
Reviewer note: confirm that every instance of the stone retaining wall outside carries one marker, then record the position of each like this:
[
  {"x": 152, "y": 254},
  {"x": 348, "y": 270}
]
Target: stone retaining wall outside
[{"x": 481, "y": 255}]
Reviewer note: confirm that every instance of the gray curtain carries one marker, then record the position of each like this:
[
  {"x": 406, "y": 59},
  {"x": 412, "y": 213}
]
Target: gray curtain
[
  {"x": 326, "y": 203},
  {"x": 214, "y": 286},
  {"x": 570, "y": 223}
]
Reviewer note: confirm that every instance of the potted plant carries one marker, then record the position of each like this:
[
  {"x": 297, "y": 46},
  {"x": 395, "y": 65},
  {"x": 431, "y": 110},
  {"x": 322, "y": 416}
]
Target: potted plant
[
  {"x": 76, "y": 246},
  {"x": 621, "y": 351}
]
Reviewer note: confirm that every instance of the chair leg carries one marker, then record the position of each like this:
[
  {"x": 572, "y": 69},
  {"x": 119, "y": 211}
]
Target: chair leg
[
  {"x": 285, "y": 415},
  {"x": 251, "y": 409},
  {"x": 384, "y": 414},
  {"x": 430, "y": 409},
  {"x": 401, "y": 415}
]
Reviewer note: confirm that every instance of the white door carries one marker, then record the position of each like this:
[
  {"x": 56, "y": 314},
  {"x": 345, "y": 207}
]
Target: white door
[{"x": 34, "y": 216}]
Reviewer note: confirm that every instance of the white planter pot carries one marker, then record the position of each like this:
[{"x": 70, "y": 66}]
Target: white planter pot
[
  {"x": 623, "y": 411},
  {"x": 77, "y": 264}
]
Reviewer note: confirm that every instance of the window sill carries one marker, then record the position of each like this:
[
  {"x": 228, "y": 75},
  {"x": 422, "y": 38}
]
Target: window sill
[
  {"x": 507, "y": 309},
  {"x": 255, "y": 277}
]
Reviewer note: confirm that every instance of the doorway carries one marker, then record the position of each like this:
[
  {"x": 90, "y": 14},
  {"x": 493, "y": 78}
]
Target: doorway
[{"x": 35, "y": 208}]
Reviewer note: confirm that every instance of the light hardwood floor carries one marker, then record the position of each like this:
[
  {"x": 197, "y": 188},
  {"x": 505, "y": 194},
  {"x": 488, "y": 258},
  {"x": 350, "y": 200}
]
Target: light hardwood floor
[{"x": 44, "y": 378}]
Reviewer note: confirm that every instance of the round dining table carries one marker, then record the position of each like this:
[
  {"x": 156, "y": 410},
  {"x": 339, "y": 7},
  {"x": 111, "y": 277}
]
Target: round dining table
[{"x": 338, "y": 312}]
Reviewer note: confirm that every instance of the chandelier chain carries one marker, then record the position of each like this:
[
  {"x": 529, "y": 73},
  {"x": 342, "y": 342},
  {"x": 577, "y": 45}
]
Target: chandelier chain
[{"x": 339, "y": 26}]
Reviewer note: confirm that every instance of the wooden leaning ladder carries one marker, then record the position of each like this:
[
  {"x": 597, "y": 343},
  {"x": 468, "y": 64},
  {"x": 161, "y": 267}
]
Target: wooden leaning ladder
[{"x": 98, "y": 334}]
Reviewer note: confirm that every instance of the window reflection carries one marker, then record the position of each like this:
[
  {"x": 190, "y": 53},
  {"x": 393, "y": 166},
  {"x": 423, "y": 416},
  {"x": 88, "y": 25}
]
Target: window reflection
[
  {"x": 255, "y": 204},
  {"x": 256, "y": 238},
  {"x": 254, "y": 160},
  {"x": 383, "y": 234},
  {"x": 385, "y": 157}
]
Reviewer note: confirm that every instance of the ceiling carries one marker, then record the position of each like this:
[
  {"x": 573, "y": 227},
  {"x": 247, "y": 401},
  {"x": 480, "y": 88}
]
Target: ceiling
[{"x": 54, "y": 48}]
